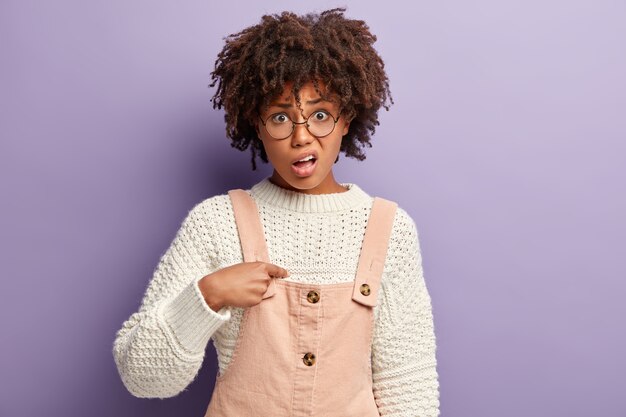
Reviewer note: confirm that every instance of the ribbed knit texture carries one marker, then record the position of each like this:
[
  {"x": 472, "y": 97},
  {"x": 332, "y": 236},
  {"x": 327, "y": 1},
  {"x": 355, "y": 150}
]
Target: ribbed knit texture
[{"x": 317, "y": 238}]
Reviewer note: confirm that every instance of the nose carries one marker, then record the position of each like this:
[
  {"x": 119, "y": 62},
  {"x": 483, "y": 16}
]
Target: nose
[{"x": 301, "y": 134}]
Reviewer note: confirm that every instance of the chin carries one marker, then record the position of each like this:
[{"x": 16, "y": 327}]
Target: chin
[
  {"x": 306, "y": 183},
  {"x": 301, "y": 183}
]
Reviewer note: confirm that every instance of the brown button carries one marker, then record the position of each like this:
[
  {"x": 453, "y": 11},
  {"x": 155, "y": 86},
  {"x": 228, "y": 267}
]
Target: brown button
[
  {"x": 365, "y": 289},
  {"x": 308, "y": 359},
  {"x": 313, "y": 296}
]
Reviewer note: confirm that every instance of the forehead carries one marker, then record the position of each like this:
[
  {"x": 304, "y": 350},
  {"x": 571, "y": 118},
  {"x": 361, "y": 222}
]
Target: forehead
[{"x": 307, "y": 94}]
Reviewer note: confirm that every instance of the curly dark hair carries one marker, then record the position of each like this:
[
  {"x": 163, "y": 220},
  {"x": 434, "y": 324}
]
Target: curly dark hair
[{"x": 255, "y": 64}]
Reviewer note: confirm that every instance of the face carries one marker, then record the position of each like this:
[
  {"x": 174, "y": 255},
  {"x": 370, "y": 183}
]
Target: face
[{"x": 316, "y": 176}]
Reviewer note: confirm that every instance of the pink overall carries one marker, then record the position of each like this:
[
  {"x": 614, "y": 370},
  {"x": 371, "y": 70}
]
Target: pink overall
[{"x": 305, "y": 349}]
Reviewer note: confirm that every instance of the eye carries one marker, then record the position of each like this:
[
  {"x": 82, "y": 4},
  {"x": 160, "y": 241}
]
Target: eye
[
  {"x": 319, "y": 116},
  {"x": 279, "y": 118}
]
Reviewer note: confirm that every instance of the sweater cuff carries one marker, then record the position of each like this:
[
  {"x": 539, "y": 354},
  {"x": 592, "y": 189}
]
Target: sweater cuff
[{"x": 191, "y": 319}]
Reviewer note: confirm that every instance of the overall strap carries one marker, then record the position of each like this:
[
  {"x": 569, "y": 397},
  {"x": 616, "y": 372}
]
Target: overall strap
[
  {"x": 250, "y": 230},
  {"x": 374, "y": 251}
]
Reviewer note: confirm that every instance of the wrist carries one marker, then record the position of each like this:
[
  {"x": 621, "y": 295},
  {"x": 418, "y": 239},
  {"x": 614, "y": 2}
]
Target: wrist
[
  {"x": 211, "y": 297},
  {"x": 213, "y": 305}
]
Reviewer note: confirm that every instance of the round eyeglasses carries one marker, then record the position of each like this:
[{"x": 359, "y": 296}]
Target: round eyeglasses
[{"x": 320, "y": 123}]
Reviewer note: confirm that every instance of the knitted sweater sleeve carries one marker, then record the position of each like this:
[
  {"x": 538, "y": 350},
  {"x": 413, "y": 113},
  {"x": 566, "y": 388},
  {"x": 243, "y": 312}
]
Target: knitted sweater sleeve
[
  {"x": 160, "y": 348},
  {"x": 405, "y": 380}
]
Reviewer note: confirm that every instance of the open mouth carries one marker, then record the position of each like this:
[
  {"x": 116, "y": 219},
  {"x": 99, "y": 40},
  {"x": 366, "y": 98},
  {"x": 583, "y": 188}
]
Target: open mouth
[{"x": 304, "y": 168}]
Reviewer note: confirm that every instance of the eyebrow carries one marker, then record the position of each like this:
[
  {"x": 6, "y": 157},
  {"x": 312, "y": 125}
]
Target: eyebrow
[{"x": 289, "y": 105}]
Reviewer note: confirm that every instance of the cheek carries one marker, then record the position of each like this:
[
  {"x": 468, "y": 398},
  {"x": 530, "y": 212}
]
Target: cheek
[
  {"x": 338, "y": 143},
  {"x": 275, "y": 154}
]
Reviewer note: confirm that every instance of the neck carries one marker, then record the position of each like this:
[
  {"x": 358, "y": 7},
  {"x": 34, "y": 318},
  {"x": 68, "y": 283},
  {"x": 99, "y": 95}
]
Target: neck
[
  {"x": 327, "y": 186},
  {"x": 351, "y": 196}
]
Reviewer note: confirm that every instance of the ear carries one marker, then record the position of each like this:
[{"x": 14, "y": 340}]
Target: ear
[{"x": 346, "y": 127}]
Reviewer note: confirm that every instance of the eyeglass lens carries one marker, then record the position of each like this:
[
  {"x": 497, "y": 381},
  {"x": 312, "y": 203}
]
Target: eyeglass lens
[{"x": 319, "y": 124}]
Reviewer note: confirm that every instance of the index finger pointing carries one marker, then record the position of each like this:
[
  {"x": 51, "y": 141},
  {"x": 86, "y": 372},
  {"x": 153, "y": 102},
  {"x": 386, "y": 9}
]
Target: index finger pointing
[{"x": 276, "y": 271}]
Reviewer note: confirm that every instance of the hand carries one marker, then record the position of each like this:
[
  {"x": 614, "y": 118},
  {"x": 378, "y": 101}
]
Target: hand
[{"x": 239, "y": 285}]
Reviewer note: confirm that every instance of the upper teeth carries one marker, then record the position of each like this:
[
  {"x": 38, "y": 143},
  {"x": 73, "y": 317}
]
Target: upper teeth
[{"x": 306, "y": 158}]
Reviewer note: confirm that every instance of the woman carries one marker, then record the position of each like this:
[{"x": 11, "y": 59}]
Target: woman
[{"x": 311, "y": 290}]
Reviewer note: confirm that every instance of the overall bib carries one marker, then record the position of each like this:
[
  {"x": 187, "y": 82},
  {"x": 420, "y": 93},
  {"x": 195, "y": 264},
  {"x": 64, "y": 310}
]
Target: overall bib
[{"x": 305, "y": 349}]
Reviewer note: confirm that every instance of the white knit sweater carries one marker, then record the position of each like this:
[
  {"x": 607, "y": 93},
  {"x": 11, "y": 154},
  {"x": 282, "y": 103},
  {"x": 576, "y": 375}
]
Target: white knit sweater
[{"x": 317, "y": 238}]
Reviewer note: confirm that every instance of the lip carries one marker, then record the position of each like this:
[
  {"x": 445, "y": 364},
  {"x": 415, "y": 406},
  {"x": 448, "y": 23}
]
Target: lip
[
  {"x": 304, "y": 154},
  {"x": 304, "y": 172}
]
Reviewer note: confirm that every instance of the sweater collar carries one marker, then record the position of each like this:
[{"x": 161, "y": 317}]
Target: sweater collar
[{"x": 277, "y": 196}]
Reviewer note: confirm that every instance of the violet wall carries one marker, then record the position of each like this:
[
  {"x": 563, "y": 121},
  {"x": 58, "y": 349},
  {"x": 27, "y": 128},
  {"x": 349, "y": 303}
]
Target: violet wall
[{"x": 506, "y": 143}]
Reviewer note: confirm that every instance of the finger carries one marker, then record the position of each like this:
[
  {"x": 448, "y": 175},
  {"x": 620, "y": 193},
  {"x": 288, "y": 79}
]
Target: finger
[{"x": 276, "y": 271}]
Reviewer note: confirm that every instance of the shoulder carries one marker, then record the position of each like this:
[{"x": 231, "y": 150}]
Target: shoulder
[
  {"x": 402, "y": 219},
  {"x": 403, "y": 239},
  {"x": 404, "y": 226},
  {"x": 213, "y": 206},
  {"x": 403, "y": 222},
  {"x": 207, "y": 227},
  {"x": 403, "y": 263},
  {"x": 208, "y": 214}
]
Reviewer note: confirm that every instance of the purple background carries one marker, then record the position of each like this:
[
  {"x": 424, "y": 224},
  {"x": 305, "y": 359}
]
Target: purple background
[{"x": 507, "y": 145}]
